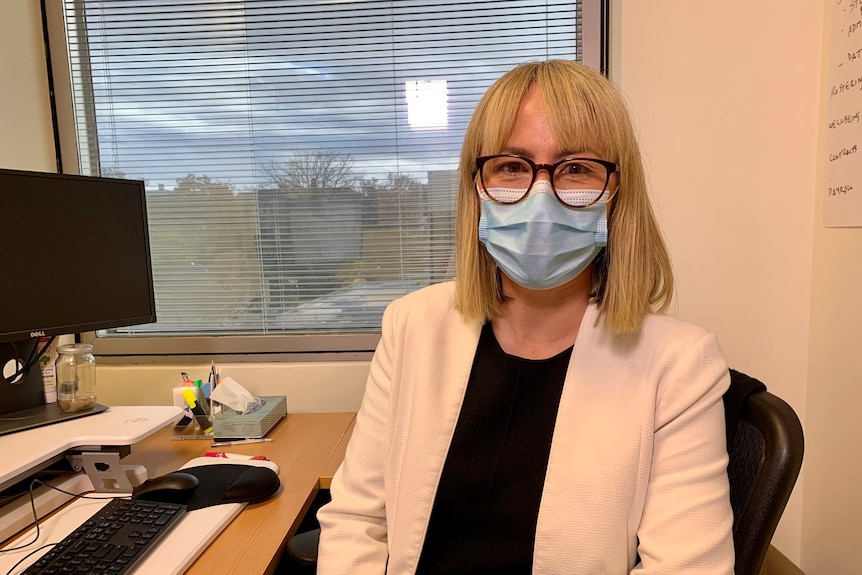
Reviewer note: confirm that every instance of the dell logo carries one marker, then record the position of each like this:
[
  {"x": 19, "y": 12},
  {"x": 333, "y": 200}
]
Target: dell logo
[{"x": 37, "y": 334}]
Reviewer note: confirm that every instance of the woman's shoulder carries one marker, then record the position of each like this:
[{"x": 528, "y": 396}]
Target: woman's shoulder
[
  {"x": 659, "y": 334},
  {"x": 434, "y": 301},
  {"x": 669, "y": 337},
  {"x": 430, "y": 314},
  {"x": 437, "y": 295},
  {"x": 671, "y": 326},
  {"x": 654, "y": 327}
]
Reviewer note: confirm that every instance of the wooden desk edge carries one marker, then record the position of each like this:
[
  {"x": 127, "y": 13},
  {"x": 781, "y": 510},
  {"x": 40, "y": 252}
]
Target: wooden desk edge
[{"x": 335, "y": 459}]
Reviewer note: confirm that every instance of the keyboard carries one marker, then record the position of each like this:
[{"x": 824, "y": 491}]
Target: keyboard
[{"x": 112, "y": 541}]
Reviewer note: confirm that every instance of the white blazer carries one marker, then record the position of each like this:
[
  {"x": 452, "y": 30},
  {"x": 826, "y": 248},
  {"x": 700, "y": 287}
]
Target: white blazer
[{"x": 636, "y": 480}]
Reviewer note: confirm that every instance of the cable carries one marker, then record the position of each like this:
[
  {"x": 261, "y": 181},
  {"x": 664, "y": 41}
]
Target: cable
[
  {"x": 35, "y": 521},
  {"x": 36, "y": 517},
  {"x": 31, "y": 361},
  {"x": 27, "y": 556}
]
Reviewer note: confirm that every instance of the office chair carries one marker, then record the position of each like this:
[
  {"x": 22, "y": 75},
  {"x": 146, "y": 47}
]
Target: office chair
[
  {"x": 765, "y": 445},
  {"x": 301, "y": 556}
]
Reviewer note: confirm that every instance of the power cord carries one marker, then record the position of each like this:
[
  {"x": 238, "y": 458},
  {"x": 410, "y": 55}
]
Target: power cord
[
  {"x": 37, "y": 519},
  {"x": 31, "y": 361},
  {"x": 27, "y": 556}
]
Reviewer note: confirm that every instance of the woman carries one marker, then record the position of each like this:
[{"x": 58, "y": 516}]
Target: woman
[{"x": 539, "y": 414}]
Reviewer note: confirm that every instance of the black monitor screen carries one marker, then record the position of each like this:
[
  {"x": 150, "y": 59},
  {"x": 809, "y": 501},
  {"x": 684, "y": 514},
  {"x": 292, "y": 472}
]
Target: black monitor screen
[{"x": 74, "y": 255}]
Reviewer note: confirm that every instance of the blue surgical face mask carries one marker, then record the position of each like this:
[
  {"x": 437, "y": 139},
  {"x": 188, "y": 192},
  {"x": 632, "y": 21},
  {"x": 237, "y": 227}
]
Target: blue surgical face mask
[{"x": 539, "y": 242}]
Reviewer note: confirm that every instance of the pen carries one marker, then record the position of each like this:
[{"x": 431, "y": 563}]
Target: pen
[{"x": 241, "y": 441}]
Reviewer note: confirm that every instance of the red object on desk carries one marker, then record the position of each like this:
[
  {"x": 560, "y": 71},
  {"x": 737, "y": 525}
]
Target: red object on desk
[{"x": 234, "y": 455}]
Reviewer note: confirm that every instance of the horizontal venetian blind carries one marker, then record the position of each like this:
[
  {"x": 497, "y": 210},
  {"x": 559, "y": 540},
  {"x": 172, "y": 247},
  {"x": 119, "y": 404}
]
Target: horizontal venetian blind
[{"x": 300, "y": 157}]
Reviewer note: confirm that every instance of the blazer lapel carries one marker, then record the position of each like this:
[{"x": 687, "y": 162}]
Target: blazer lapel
[{"x": 589, "y": 484}]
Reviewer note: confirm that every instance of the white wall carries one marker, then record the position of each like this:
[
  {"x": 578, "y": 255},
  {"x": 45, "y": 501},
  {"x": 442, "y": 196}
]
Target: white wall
[
  {"x": 833, "y": 499},
  {"x": 26, "y": 133},
  {"x": 726, "y": 100}
]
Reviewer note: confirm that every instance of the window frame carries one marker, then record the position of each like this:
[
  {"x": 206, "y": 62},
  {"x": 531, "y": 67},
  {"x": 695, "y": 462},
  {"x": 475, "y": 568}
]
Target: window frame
[{"x": 241, "y": 348}]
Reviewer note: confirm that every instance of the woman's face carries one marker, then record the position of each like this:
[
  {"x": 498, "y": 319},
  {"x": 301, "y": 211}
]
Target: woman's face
[{"x": 532, "y": 257}]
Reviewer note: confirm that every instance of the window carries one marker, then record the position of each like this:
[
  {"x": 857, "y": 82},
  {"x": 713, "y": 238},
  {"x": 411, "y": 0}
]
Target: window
[{"x": 300, "y": 157}]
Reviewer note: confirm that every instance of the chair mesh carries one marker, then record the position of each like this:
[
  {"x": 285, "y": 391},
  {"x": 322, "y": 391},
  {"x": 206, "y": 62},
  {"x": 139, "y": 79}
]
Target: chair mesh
[{"x": 746, "y": 458}]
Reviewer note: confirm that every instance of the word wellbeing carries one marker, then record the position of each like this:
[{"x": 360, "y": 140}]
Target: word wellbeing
[{"x": 845, "y": 119}]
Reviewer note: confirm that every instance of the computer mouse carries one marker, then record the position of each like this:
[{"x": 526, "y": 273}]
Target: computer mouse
[{"x": 174, "y": 487}]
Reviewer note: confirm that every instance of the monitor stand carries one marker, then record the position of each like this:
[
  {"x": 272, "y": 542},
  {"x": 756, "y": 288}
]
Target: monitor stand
[{"x": 22, "y": 399}]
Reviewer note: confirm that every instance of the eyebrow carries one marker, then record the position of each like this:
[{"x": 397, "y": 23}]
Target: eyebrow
[{"x": 560, "y": 154}]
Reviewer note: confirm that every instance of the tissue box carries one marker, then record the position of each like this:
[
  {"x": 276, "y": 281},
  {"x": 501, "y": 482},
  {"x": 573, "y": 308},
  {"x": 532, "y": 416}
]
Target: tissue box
[{"x": 232, "y": 425}]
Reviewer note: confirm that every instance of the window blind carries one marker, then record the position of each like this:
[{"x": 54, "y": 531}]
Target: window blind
[{"x": 300, "y": 157}]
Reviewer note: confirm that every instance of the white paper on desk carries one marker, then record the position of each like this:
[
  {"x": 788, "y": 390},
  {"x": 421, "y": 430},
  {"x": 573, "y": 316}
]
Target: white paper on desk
[{"x": 230, "y": 393}]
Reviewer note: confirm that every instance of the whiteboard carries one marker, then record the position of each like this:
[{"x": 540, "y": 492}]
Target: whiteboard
[{"x": 842, "y": 193}]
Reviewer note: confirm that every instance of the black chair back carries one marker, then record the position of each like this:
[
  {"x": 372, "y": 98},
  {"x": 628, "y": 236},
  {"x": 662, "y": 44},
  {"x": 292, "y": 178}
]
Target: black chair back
[{"x": 765, "y": 445}]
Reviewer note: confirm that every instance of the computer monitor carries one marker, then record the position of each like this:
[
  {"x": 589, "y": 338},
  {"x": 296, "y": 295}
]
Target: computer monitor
[{"x": 74, "y": 257}]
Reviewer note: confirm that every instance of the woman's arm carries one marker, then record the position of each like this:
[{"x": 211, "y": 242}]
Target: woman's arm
[
  {"x": 687, "y": 519},
  {"x": 353, "y": 537}
]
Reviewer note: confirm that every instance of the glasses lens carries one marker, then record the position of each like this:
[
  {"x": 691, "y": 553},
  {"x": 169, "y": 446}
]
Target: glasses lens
[
  {"x": 506, "y": 179},
  {"x": 580, "y": 182}
]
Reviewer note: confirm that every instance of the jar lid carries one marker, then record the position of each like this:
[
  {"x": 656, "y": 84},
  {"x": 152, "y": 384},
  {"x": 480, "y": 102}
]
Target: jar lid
[{"x": 74, "y": 348}]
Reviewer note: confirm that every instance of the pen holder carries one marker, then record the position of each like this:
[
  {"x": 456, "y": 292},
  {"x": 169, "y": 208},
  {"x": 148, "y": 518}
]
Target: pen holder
[{"x": 198, "y": 414}]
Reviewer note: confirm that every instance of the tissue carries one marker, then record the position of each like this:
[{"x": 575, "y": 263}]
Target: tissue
[{"x": 230, "y": 393}]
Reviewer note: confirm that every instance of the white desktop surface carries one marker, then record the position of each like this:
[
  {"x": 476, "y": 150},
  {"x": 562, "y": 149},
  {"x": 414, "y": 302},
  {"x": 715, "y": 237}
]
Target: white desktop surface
[
  {"x": 171, "y": 556},
  {"x": 120, "y": 425}
]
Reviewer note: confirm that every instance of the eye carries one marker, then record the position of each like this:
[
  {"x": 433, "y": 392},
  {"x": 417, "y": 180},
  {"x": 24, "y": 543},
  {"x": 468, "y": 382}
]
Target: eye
[
  {"x": 576, "y": 168},
  {"x": 512, "y": 167}
]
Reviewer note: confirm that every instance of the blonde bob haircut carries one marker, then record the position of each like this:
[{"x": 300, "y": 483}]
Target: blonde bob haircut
[{"x": 632, "y": 275}]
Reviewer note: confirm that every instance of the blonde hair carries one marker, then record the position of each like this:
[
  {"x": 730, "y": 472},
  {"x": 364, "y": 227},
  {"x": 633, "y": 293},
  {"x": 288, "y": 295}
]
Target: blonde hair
[{"x": 632, "y": 276}]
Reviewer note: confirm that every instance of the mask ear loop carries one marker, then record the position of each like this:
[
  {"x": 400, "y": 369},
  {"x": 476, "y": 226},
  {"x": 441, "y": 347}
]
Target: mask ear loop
[
  {"x": 602, "y": 230},
  {"x": 480, "y": 189}
]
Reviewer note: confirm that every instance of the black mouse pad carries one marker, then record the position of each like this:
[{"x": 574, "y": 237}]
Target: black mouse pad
[{"x": 229, "y": 483}]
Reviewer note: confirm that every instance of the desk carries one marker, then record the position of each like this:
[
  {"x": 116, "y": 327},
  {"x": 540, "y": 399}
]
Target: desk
[{"x": 307, "y": 447}]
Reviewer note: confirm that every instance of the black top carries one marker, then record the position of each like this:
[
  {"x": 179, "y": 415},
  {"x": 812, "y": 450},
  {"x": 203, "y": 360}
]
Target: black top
[{"x": 487, "y": 504}]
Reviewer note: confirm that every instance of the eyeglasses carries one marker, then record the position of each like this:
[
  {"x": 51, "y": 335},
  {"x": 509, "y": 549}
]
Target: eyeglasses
[{"x": 577, "y": 182}]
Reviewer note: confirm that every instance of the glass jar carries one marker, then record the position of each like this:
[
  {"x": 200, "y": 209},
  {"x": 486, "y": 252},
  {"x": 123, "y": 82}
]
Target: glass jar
[{"x": 75, "y": 370}]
